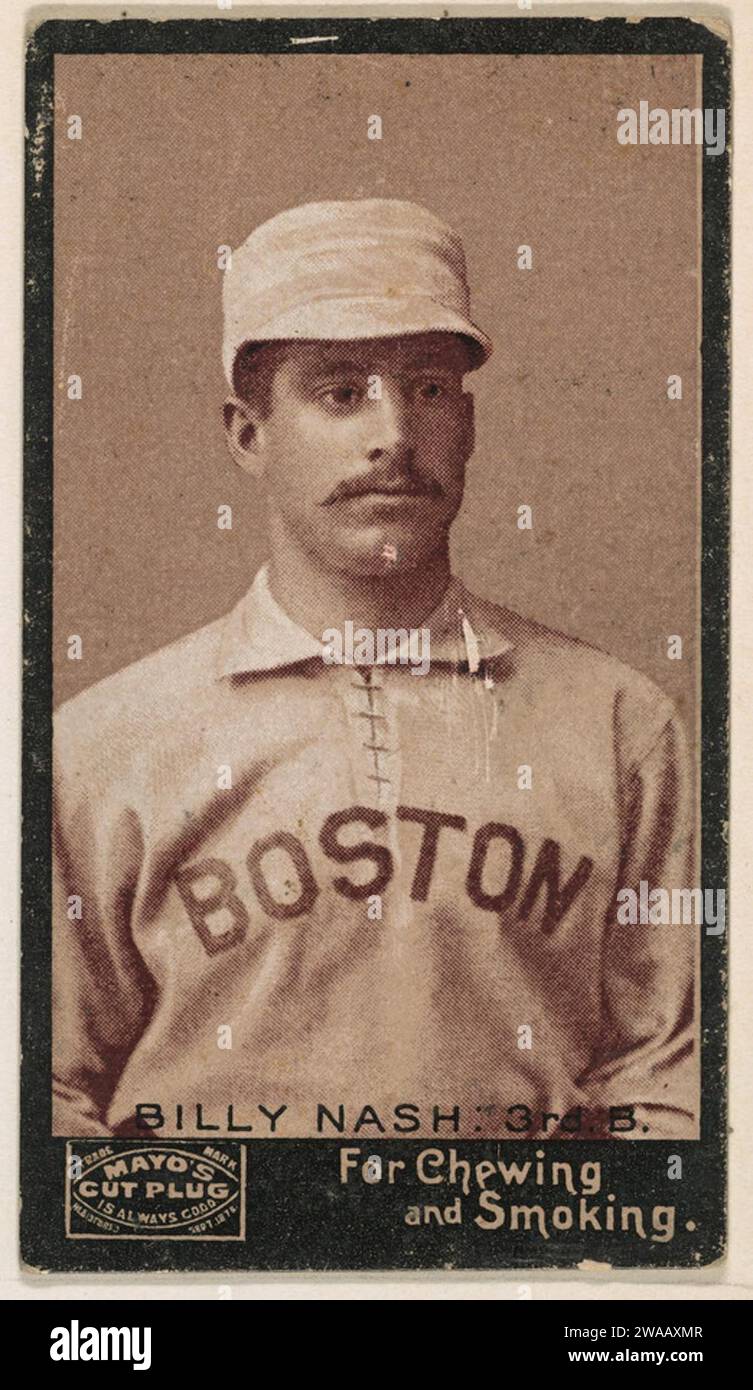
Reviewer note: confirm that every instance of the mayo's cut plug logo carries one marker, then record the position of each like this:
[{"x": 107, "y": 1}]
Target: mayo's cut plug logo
[{"x": 155, "y": 1191}]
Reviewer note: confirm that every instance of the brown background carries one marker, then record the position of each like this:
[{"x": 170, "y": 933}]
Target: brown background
[{"x": 182, "y": 154}]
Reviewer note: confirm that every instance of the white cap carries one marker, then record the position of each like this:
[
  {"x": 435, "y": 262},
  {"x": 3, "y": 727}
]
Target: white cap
[{"x": 370, "y": 268}]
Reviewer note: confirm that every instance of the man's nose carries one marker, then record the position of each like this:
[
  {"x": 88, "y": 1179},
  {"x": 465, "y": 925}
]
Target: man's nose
[{"x": 391, "y": 425}]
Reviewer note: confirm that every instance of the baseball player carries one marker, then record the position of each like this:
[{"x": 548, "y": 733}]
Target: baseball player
[{"x": 300, "y": 891}]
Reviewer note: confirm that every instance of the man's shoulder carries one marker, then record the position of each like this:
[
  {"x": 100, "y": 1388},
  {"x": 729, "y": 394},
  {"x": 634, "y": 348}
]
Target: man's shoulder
[
  {"x": 149, "y": 694},
  {"x": 558, "y": 668}
]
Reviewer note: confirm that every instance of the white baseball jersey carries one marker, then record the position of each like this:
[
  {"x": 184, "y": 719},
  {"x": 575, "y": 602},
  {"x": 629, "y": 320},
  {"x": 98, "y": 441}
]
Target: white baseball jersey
[{"x": 286, "y": 887}]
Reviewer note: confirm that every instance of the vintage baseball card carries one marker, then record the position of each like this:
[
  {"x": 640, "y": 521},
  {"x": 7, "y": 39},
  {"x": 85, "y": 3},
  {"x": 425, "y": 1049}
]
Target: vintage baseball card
[{"x": 376, "y": 593}]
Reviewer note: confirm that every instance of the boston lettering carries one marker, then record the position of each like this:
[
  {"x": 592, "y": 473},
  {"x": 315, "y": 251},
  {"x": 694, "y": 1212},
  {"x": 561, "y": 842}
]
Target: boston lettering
[{"x": 210, "y": 886}]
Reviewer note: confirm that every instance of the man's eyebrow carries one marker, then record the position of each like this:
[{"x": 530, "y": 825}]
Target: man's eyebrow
[
  {"x": 433, "y": 364},
  {"x": 343, "y": 365},
  {"x": 313, "y": 370}
]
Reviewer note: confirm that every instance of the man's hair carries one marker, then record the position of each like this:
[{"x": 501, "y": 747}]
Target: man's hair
[{"x": 254, "y": 371}]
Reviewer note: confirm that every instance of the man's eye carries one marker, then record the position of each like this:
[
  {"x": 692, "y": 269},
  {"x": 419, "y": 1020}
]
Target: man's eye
[
  {"x": 347, "y": 394},
  {"x": 432, "y": 390}
]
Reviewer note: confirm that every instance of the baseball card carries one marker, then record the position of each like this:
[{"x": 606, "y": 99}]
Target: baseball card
[{"x": 376, "y": 595}]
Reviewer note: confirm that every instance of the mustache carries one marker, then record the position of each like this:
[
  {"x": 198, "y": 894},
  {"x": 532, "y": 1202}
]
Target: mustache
[{"x": 408, "y": 483}]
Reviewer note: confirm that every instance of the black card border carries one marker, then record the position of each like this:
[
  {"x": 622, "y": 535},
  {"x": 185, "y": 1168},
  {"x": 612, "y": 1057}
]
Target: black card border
[{"x": 291, "y": 1191}]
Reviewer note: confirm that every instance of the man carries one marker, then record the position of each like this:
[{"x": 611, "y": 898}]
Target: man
[{"x": 302, "y": 891}]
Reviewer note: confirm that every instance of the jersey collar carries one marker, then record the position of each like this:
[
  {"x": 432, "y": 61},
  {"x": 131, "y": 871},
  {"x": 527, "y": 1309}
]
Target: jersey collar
[{"x": 258, "y": 635}]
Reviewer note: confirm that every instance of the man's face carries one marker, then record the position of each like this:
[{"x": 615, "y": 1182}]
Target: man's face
[{"x": 365, "y": 446}]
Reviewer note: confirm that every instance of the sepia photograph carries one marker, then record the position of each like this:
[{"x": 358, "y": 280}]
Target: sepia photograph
[{"x": 376, "y": 648}]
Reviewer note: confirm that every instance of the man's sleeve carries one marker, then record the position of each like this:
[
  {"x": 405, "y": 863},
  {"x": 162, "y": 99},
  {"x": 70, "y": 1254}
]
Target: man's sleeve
[
  {"x": 647, "y": 1054},
  {"x": 102, "y": 994}
]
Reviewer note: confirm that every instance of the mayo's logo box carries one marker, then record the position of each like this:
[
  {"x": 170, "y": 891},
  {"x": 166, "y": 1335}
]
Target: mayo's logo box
[{"x": 117, "y": 1191}]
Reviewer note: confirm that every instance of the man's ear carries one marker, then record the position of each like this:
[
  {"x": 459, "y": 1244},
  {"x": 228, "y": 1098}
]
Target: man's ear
[
  {"x": 243, "y": 434},
  {"x": 469, "y": 424}
]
